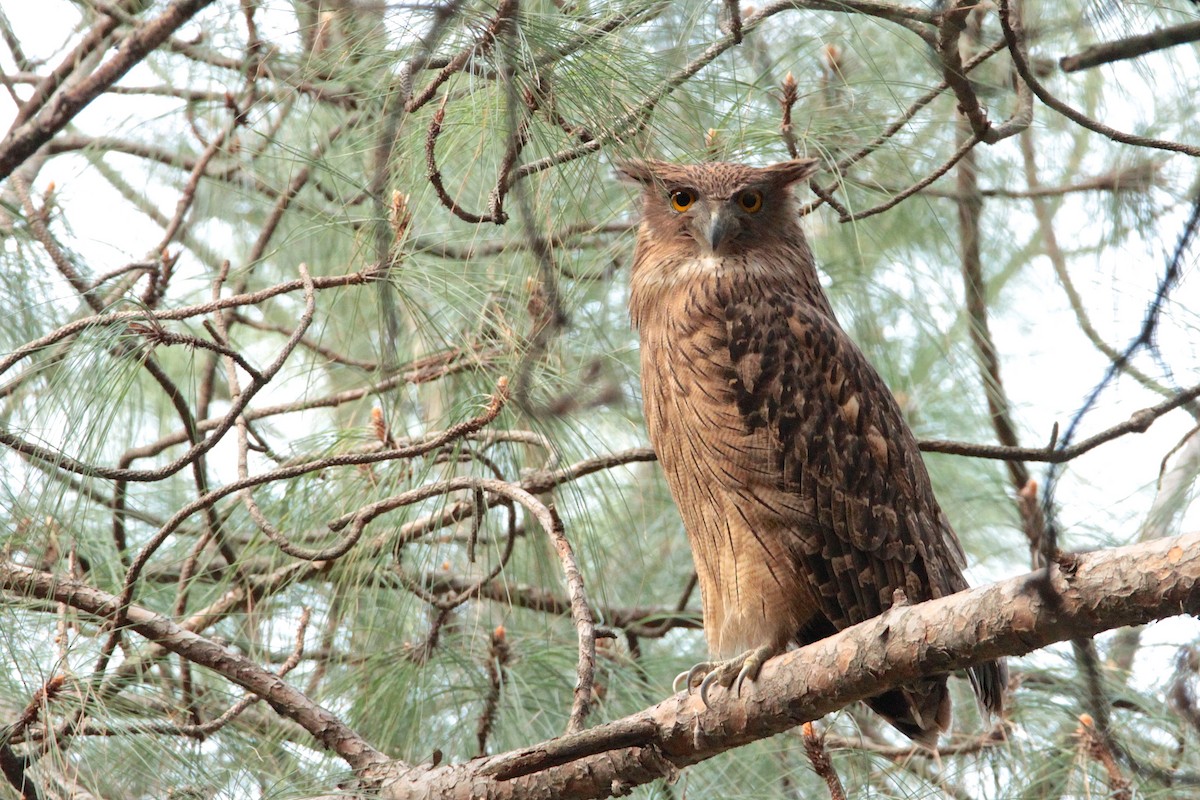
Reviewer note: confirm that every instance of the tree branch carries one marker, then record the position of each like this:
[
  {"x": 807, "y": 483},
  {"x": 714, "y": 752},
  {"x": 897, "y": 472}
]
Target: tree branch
[
  {"x": 1017, "y": 47},
  {"x": 287, "y": 701},
  {"x": 1132, "y": 47},
  {"x": 22, "y": 141},
  {"x": 1104, "y": 590}
]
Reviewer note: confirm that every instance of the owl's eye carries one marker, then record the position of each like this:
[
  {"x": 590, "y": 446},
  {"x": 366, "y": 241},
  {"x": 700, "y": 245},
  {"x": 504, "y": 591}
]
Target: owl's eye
[
  {"x": 751, "y": 201},
  {"x": 682, "y": 199}
]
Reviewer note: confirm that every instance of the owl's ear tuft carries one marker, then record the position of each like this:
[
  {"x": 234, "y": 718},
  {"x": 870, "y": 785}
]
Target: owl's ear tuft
[
  {"x": 639, "y": 170},
  {"x": 786, "y": 173}
]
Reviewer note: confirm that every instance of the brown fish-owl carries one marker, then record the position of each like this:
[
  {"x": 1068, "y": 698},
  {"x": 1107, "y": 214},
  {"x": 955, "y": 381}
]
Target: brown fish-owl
[{"x": 802, "y": 491}]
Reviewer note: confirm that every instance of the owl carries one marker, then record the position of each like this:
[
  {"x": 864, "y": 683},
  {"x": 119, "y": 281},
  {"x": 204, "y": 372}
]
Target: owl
[{"x": 804, "y": 497}]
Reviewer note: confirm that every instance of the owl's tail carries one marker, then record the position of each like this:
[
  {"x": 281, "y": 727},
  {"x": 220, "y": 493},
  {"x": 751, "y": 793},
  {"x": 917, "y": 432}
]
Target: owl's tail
[
  {"x": 921, "y": 710},
  {"x": 990, "y": 681}
]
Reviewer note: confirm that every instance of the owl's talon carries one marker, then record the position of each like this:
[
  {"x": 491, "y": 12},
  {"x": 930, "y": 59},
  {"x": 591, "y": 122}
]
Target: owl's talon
[
  {"x": 706, "y": 684},
  {"x": 693, "y": 675},
  {"x": 752, "y": 664},
  {"x": 732, "y": 673}
]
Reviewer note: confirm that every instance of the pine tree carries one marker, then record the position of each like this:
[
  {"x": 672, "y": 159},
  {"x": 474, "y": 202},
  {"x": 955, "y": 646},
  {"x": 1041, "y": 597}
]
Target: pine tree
[{"x": 321, "y": 449}]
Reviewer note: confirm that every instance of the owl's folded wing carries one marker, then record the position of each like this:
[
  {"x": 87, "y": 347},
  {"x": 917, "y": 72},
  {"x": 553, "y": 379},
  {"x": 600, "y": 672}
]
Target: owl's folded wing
[{"x": 845, "y": 457}]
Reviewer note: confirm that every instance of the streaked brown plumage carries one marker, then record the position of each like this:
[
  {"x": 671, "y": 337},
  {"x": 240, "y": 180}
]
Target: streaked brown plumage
[{"x": 804, "y": 496}]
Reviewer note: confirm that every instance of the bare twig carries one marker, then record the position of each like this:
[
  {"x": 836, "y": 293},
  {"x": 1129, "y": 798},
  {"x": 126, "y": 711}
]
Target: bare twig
[
  {"x": 504, "y": 13},
  {"x": 24, "y": 138},
  {"x": 891, "y": 130},
  {"x": 956, "y": 747},
  {"x": 497, "y": 667},
  {"x": 1131, "y": 47},
  {"x": 287, "y": 701},
  {"x": 970, "y": 207},
  {"x": 1095, "y": 747},
  {"x": 434, "y": 174},
  {"x": 361, "y": 518},
  {"x": 1044, "y": 214},
  {"x": 941, "y": 170},
  {"x": 645, "y": 621},
  {"x": 1014, "y": 35},
  {"x": 814, "y": 747}
]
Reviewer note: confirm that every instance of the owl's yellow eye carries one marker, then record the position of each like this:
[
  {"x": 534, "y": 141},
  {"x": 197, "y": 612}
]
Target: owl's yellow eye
[
  {"x": 682, "y": 199},
  {"x": 751, "y": 201}
]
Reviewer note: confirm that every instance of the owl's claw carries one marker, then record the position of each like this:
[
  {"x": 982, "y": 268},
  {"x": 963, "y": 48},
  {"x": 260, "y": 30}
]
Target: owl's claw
[
  {"x": 729, "y": 674},
  {"x": 690, "y": 678}
]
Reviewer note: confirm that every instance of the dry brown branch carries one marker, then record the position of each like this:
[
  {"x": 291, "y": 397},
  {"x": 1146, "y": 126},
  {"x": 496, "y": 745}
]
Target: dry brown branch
[
  {"x": 287, "y": 701},
  {"x": 1044, "y": 214},
  {"x": 504, "y": 14},
  {"x": 183, "y": 312},
  {"x": 1138, "y": 422},
  {"x": 84, "y": 52},
  {"x": 25, "y": 137},
  {"x": 569, "y": 236},
  {"x": 31, "y": 78},
  {"x": 434, "y": 175},
  {"x": 956, "y": 747},
  {"x": 359, "y": 519},
  {"x": 970, "y": 208},
  {"x": 1094, "y": 745},
  {"x": 37, "y": 218},
  {"x": 327, "y": 353},
  {"x": 202, "y": 730},
  {"x": 647, "y": 621},
  {"x": 915, "y": 20},
  {"x": 814, "y": 748},
  {"x": 223, "y": 424},
  {"x": 581, "y": 612},
  {"x": 157, "y": 335},
  {"x": 13, "y": 768},
  {"x": 1111, "y": 588},
  {"x": 922, "y": 101},
  {"x": 422, "y": 370},
  {"x": 497, "y": 667},
  {"x": 33, "y": 709},
  {"x": 1014, "y": 35},
  {"x": 953, "y": 24},
  {"x": 1134, "y": 178},
  {"x": 891, "y": 130},
  {"x": 138, "y": 563},
  {"x": 941, "y": 170},
  {"x": 1131, "y": 47},
  {"x": 188, "y": 193},
  {"x": 285, "y": 198}
]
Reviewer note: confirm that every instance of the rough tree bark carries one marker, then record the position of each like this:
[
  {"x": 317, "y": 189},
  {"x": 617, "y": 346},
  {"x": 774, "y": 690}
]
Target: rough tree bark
[{"x": 1093, "y": 593}]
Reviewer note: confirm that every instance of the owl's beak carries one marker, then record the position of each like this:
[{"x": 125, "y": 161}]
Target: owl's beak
[{"x": 721, "y": 226}]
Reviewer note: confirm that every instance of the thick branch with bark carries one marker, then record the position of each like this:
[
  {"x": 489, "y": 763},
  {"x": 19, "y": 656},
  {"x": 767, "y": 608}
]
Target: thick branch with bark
[{"x": 1101, "y": 591}]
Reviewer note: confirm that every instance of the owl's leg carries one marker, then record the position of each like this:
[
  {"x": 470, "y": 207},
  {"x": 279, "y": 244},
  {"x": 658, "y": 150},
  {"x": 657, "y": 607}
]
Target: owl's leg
[{"x": 730, "y": 673}]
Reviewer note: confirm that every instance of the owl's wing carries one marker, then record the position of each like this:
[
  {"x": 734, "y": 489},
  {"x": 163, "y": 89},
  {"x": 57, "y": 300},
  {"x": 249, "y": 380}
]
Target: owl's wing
[{"x": 857, "y": 490}]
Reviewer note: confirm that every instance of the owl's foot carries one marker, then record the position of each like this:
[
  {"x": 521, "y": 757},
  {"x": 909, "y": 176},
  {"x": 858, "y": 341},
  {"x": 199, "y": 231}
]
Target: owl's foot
[{"x": 730, "y": 673}]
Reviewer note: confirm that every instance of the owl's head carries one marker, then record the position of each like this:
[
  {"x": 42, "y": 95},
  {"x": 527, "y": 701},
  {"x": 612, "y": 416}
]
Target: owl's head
[{"x": 719, "y": 208}]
